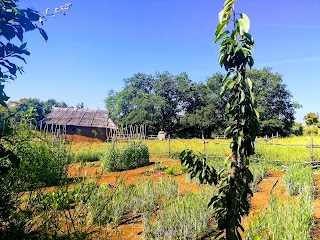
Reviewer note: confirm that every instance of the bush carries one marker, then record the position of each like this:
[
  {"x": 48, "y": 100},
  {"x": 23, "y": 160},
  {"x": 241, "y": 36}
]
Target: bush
[
  {"x": 43, "y": 160},
  {"x": 310, "y": 130},
  {"x": 87, "y": 156},
  {"x": 133, "y": 155}
]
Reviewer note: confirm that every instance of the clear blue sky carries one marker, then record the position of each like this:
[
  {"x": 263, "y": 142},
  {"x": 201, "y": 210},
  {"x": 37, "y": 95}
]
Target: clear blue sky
[{"x": 101, "y": 42}]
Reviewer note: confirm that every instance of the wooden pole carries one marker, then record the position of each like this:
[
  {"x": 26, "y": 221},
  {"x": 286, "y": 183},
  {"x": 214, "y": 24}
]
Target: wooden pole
[
  {"x": 311, "y": 149},
  {"x": 169, "y": 148},
  {"x": 204, "y": 145}
]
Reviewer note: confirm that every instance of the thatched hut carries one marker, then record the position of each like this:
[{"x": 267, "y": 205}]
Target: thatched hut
[{"x": 84, "y": 122}]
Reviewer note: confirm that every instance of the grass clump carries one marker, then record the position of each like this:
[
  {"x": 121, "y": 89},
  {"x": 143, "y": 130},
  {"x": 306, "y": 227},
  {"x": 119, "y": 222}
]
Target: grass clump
[
  {"x": 87, "y": 156},
  {"x": 185, "y": 217},
  {"x": 112, "y": 205},
  {"x": 132, "y": 155},
  {"x": 284, "y": 219},
  {"x": 298, "y": 180},
  {"x": 287, "y": 218}
]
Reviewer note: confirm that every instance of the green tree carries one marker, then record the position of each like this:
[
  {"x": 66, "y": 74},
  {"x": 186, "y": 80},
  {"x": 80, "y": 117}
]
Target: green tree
[
  {"x": 14, "y": 23},
  {"x": 158, "y": 101},
  {"x": 311, "y": 118},
  {"x": 274, "y": 102},
  {"x": 205, "y": 115},
  {"x": 17, "y": 110},
  {"x": 297, "y": 129}
]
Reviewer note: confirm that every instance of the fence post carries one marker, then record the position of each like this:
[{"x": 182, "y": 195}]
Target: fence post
[
  {"x": 169, "y": 149},
  {"x": 311, "y": 150},
  {"x": 204, "y": 146}
]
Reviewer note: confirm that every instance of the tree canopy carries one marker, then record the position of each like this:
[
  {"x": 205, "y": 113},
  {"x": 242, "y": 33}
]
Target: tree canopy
[
  {"x": 184, "y": 108},
  {"x": 34, "y": 107},
  {"x": 311, "y": 118}
]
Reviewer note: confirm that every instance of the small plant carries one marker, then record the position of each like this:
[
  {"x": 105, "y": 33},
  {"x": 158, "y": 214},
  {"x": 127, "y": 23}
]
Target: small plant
[
  {"x": 171, "y": 170},
  {"x": 133, "y": 155},
  {"x": 159, "y": 166}
]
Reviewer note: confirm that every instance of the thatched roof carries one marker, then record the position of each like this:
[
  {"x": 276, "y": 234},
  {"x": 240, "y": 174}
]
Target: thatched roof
[{"x": 79, "y": 117}]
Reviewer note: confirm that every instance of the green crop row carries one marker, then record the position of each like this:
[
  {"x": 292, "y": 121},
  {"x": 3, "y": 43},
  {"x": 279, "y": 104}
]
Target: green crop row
[{"x": 287, "y": 218}]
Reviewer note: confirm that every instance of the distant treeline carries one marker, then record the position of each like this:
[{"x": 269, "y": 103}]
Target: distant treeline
[
  {"x": 184, "y": 108},
  {"x": 32, "y": 108}
]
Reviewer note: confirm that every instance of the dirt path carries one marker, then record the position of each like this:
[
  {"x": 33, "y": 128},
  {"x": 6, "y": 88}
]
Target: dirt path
[
  {"x": 260, "y": 200},
  {"x": 315, "y": 233}
]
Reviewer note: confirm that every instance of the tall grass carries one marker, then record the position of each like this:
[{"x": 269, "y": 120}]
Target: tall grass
[
  {"x": 185, "y": 217},
  {"x": 285, "y": 219},
  {"x": 132, "y": 155},
  {"x": 288, "y": 218},
  {"x": 220, "y": 147},
  {"x": 87, "y": 156},
  {"x": 111, "y": 205},
  {"x": 299, "y": 180}
]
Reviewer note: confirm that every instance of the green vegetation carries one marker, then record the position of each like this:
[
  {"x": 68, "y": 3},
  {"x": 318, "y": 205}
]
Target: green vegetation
[
  {"x": 287, "y": 218},
  {"x": 87, "y": 156},
  {"x": 184, "y": 217},
  {"x": 194, "y": 108},
  {"x": 299, "y": 180},
  {"x": 284, "y": 219},
  {"x": 132, "y": 155},
  {"x": 111, "y": 205}
]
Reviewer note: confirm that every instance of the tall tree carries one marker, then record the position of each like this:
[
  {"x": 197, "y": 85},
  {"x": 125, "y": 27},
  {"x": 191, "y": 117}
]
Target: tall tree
[
  {"x": 205, "y": 114},
  {"x": 273, "y": 100},
  {"x": 311, "y": 118}
]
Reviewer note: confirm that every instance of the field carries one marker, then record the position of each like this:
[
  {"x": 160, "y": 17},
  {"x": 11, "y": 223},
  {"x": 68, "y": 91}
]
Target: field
[{"x": 159, "y": 200}]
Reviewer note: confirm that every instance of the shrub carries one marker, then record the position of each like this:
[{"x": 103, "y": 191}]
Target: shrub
[
  {"x": 43, "y": 160},
  {"x": 87, "y": 156},
  {"x": 310, "y": 130},
  {"x": 133, "y": 155}
]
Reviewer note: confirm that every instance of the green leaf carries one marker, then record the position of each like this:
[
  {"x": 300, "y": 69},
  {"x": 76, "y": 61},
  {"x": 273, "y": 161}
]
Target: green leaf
[
  {"x": 256, "y": 237},
  {"x": 246, "y": 21},
  {"x": 220, "y": 16},
  {"x": 220, "y": 28},
  {"x": 243, "y": 24},
  {"x": 43, "y": 33},
  {"x": 249, "y": 82},
  {"x": 221, "y": 36}
]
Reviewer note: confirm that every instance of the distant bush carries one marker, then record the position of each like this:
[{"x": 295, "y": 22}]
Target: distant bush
[
  {"x": 87, "y": 156},
  {"x": 133, "y": 155},
  {"x": 310, "y": 130}
]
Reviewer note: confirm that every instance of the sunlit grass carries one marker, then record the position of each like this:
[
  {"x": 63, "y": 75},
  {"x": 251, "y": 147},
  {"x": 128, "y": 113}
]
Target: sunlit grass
[{"x": 269, "y": 150}]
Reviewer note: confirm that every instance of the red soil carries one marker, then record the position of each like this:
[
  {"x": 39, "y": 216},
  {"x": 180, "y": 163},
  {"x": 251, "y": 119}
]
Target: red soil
[{"x": 78, "y": 138}]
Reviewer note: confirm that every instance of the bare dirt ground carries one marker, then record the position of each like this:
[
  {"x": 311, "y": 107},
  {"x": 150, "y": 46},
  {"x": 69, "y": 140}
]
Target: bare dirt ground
[{"x": 133, "y": 229}]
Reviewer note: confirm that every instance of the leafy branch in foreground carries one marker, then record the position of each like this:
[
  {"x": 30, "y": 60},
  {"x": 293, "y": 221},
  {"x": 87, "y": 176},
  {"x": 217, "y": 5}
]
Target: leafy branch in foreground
[{"x": 232, "y": 200}]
